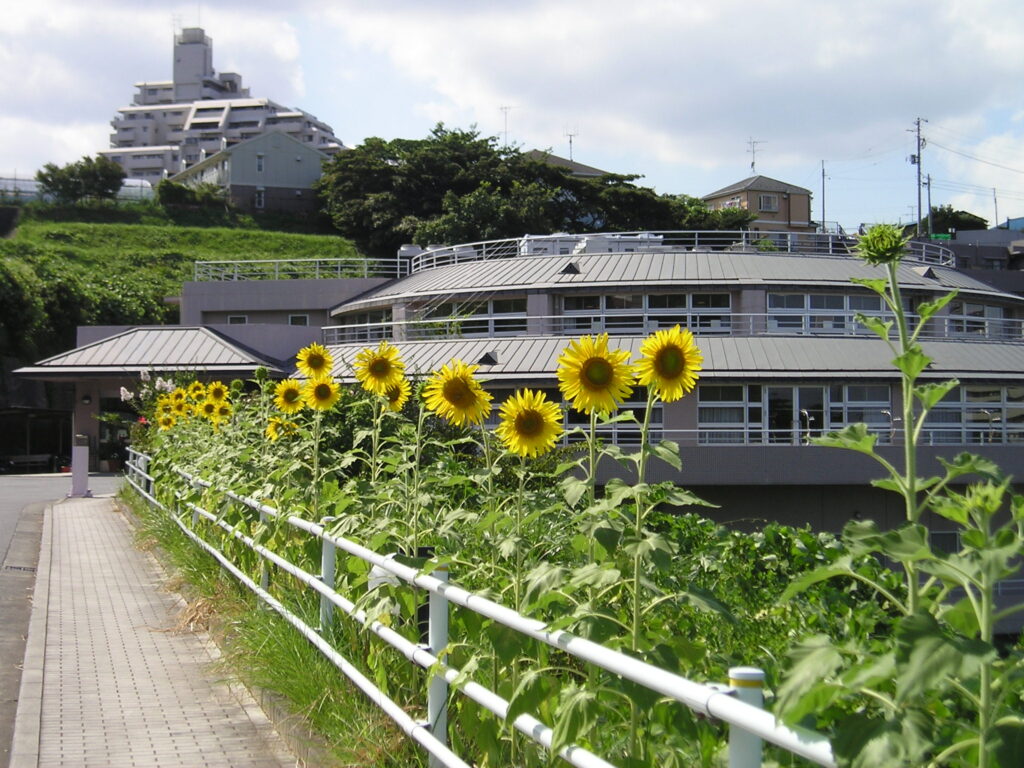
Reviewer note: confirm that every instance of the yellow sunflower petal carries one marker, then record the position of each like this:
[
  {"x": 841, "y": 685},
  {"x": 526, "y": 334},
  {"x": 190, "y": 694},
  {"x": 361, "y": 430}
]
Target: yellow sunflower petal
[
  {"x": 669, "y": 362},
  {"x": 593, "y": 377},
  {"x": 379, "y": 369},
  {"x": 453, "y": 394},
  {"x": 321, "y": 394},
  {"x": 398, "y": 394},
  {"x": 315, "y": 361},
  {"x": 217, "y": 391},
  {"x": 288, "y": 396},
  {"x": 530, "y": 424}
]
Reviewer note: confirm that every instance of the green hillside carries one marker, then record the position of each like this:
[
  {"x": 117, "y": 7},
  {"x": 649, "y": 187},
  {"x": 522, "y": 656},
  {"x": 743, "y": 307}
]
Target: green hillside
[{"x": 55, "y": 275}]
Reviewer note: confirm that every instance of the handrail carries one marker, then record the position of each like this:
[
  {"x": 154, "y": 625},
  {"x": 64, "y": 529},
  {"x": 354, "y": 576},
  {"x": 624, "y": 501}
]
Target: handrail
[
  {"x": 563, "y": 244},
  {"x": 708, "y": 700},
  {"x": 298, "y": 269},
  {"x": 703, "y": 322}
]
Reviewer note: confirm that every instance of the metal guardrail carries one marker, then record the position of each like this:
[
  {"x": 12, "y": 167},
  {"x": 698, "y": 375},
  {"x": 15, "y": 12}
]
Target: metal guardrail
[
  {"x": 749, "y": 724},
  {"x": 297, "y": 269},
  {"x": 702, "y": 323},
  {"x": 803, "y": 243}
]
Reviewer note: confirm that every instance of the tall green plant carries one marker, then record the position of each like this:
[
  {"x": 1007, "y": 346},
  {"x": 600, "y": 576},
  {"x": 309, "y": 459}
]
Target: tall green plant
[{"x": 927, "y": 687}]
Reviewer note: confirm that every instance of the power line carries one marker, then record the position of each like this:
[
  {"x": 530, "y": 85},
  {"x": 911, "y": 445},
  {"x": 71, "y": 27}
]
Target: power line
[{"x": 975, "y": 157}]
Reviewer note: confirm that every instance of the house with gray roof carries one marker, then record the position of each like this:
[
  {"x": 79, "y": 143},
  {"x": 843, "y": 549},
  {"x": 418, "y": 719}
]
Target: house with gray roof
[{"x": 780, "y": 207}]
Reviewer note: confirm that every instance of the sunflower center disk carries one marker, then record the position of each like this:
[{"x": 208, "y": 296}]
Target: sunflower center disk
[
  {"x": 322, "y": 391},
  {"x": 315, "y": 362},
  {"x": 457, "y": 393},
  {"x": 596, "y": 373},
  {"x": 529, "y": 424},
  {"x": 380, "y": 368},
  {"x": 670, "y": 362},
  {"x": 290, "y": 395}
]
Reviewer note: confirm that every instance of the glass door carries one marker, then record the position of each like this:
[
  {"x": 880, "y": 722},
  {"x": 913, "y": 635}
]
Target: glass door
[{"x": 795, "y": 414}]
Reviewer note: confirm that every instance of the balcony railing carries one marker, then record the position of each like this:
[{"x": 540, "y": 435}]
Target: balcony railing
[
  {"x": 802, "y": 243},
  {"x": 701, "y": 322},
  {"x": 297, "y": 269}
]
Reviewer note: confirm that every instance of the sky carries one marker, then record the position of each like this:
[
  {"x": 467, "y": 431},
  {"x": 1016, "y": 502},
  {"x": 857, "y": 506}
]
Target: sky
[{"x": 675, "y": 91}]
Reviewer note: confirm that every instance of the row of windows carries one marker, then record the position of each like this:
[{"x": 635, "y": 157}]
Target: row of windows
[{"x": 302, "y": 320}]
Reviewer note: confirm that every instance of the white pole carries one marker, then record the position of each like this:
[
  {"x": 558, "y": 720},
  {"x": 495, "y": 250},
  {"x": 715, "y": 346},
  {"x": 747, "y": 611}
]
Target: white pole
[
  {"x": 747, "y": 684},
  {"x": 327, "y": 558},
  {"x": 437, "y": 638}
]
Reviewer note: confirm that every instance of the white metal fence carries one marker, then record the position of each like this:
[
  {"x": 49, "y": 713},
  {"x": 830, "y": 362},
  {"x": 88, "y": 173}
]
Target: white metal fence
[
  {"x": 297, "y": 269},
  {"x": 737, "y": 704}
]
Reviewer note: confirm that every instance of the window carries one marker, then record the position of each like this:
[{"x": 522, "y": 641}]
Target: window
[
  {"x": 258, "y": 199},
  {"x": 298, "y": 319},
  {"x": 238, "y": 319},
  {"x": 259, "y": 166},
  {"x": 768, "y": 203}
]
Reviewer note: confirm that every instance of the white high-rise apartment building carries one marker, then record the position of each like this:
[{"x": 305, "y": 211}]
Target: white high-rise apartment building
[{"x": 174, "y": 124}]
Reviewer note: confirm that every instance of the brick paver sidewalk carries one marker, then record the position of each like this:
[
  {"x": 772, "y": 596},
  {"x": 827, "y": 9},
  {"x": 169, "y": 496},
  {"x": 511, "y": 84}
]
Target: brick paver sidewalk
[{"x": 104, "y": 683}]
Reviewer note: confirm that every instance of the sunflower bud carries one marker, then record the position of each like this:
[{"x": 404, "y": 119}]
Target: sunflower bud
[{"x": 882, "y": 244}]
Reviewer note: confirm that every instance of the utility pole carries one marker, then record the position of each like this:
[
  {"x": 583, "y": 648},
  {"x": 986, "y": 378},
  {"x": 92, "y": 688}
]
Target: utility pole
[
  {"x": 929, "y": 183},
  {"x": 916, "y": 160},
  {"x": 995, "y": 202},
  {"x": 822, "y": 195},
  {"x": 753, "y": 154}
]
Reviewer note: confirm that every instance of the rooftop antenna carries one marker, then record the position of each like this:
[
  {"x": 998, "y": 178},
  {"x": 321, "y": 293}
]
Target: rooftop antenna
[
  {"x": 505, "y": 110},
  {"x": 571, "y": 134},
  {"x": 753, "y": 154}
]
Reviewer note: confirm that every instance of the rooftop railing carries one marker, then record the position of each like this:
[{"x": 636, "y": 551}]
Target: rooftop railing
[
  {"x": 704, "y": 323},
  {"x": 802, "y": 243},
  {"x": 298, "y": 269}
]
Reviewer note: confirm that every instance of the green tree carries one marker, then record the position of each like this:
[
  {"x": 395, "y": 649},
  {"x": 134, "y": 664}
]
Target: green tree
[
  {"x": 946, "y": 220},
  {"x": 92, "y": 178}
]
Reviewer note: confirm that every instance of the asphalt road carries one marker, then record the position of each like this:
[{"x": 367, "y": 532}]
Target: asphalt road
[{"x": 23, "y": 498}]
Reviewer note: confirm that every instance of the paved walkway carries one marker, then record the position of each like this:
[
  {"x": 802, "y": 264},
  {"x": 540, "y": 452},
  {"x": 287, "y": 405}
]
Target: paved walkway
[{"x": 104, "y": 682}]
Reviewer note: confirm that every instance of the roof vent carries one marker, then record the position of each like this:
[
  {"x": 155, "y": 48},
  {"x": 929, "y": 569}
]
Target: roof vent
[
  {"x": 488, "y": 358},
  {"x": 572, "y": 268},
  {"x": 926, "y": 272}
]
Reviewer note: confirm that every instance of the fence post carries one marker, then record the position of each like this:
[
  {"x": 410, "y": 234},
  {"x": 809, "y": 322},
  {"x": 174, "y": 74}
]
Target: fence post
[
  {"x": 745, "y": 748},
  {"x": 327, "y": 558},
  {"x": 264, "y": 565},
  {"x": 437, "y": 639}
]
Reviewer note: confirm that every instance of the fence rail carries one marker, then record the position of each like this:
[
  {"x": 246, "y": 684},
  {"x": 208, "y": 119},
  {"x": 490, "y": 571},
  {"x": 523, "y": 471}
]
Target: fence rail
[
  {"x": 803, "y": 243},
  {"x": 702, "y": 323},
  {"x": 297, "y": 269},
  {"x": 749, "y": 723}
]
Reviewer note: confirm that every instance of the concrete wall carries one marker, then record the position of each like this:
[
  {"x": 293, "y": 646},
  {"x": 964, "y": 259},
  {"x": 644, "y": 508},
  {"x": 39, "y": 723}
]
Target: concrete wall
[{"x": 283, "y": 296}]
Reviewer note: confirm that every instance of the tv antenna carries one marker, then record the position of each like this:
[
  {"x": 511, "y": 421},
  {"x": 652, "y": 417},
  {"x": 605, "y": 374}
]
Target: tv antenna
[
  {"x": 571, "y": 134},
  {"x": 505, "y": 109},
  {"x": 753, "y": 153}
]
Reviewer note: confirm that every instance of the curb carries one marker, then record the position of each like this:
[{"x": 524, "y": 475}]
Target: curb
[{"x": 27, "y": 721}]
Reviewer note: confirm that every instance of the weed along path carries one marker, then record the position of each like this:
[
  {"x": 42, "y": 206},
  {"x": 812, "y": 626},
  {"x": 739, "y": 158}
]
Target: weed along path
[{"x": 106, "y": 682}]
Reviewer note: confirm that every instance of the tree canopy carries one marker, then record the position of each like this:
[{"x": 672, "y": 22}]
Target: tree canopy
[
  {"x": 946, "y": 220},
  {"x": 95, "y": 178},
  {"x": 457, "y": 186}
]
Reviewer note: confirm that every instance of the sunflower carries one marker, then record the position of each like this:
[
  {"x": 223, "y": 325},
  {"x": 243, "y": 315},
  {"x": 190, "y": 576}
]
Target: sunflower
[
  {"x": 197, "y": 391},
  {"x": 398, "y": 394},
  {"x": 315, "y": 361},
  {"x": 166, "y": 421},
  {"x": 208, "y": 409},
  {"x": 278, "y": 428},
  {"x": 455, "y": 395},
  {"x": 164, "y": 406},
  {"x": 223, "y": 411},
  {"x": 179, "y": 395},
  {"x": 669, "y": 362},
  {"x": 288, "y": 396},
  {"x": 530, "y": 424},
  {"x": 217, "y": 391},
  {"x": 321, "y": 394},
  {"x": 593, "y": 377},
  {"x": 181, "y": 409},
  {"x": 379, "y": 369}
]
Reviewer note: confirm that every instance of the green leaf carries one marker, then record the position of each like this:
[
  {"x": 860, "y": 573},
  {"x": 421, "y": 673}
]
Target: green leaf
[
  {"x": 1008, "y": 744},
  {"x": 962, "y": 617},
  {"x": 680, "y": 497},
  {"x": 573, "y": 489},
  {"x": 507, "y": 643},
  {"x": 855, "y": 437},
  {"x": 881, "y": 328},
  {"x": 879, "y": 286},
  {"x": 912, "y": 362},
  {"x": 925, "y": 655},
  {"x": 926, "y": 309},
  {"x": 668, "y": 451},
  {"x": 930, "y": 394},
  {"x": 972, "y": 464},
  {"x": 575, "y": 717},
  {"x": 871, "y": 742},
  {"x": 841, "y": 567},
  {"x": 815, "y": 661},
  {"x": 534, "y": 689}
]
